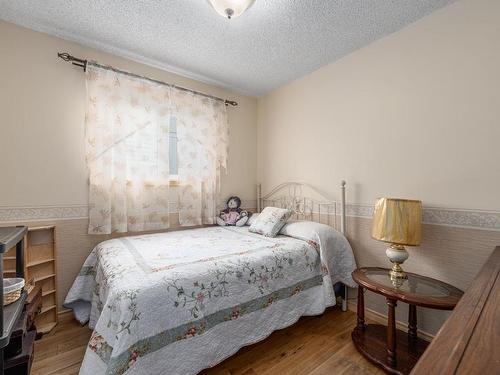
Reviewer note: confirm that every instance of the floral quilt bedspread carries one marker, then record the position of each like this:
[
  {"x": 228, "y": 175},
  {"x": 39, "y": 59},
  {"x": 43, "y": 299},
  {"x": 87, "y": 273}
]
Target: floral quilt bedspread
[{"x": 179, "y": 302}]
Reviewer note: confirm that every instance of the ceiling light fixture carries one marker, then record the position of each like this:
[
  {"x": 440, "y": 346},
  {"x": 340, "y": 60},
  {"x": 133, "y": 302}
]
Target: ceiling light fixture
[{"x": 231, "y": 8}]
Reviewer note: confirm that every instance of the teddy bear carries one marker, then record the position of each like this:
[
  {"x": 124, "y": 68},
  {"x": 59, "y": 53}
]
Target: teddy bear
[{"x": 233, "y": 215}]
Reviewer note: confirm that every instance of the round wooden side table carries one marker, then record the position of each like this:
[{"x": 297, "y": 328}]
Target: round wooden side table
[{"x": 391, "y": 349}]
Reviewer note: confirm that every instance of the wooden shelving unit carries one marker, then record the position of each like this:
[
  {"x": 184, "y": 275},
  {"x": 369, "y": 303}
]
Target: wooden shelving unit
[{"x": 40, "y": 264}]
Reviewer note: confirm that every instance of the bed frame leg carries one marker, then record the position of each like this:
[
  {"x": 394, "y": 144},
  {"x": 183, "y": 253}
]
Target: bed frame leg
[{"x": 344, "y": 300}]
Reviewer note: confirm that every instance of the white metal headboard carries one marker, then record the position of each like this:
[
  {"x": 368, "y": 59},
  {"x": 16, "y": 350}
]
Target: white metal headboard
[{"x": 291, "y": 195}]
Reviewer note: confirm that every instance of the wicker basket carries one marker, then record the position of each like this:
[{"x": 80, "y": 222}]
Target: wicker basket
[{"x": 12, "y": 289}]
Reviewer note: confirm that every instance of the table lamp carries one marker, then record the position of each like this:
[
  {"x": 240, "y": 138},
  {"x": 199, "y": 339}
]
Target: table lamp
[{"x": 398, "y": 222}]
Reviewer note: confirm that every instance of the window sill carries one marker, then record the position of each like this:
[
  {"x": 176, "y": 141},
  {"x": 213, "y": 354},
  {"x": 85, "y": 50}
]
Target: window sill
[{"x": 173, "y": 182}]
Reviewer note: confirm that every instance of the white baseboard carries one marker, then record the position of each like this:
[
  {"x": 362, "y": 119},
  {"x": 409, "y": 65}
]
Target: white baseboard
[{"x": 382, "y": 319}]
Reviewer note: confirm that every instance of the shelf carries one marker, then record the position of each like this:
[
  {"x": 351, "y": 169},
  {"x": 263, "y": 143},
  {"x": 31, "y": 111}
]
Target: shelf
[
  {"x": 11, "y": 313},
  {"x": 372, "y": 343},
  {"x": 46, "y": 328},
  {"x": 51, "y": 243},
  {"x": 48, "y": 292},
  {"x": 48, "y": 308},
  {"x": 47, "y": 227},
  {"x": 44, "y": 277},
  {"x": 9, "y": 258},
  {"x": 41, "y": 259},
  {"x": 38, "y": 262}
]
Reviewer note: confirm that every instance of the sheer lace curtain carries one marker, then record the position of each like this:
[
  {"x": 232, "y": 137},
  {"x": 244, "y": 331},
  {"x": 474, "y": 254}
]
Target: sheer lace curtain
[
  {"x": 127, "y": 152},
  {"x": 202, "y": 133}
]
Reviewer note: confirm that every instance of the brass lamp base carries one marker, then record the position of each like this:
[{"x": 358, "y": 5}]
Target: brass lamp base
[
  {"x": 397, "y": 272},
  {"x": 397, "y": 254}
]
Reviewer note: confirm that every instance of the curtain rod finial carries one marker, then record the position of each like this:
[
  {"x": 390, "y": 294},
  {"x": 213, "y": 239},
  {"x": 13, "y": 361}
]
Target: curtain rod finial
[
  {"x": 74, "y": 60},
  {"x": 65, "y": 56}
]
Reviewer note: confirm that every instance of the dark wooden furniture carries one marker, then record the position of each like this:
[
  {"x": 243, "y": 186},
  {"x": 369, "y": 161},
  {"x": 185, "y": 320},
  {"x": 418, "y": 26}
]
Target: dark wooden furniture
[
  {"x": 9, "y": 315},
  {"x": 468, "y": 342},
  {"x": 33, "y": 307},
  {"x": 21, "y": 363},
  {"x": 393, "y": 350},
  {"x": 19, "y": 353},
  {"x": 16, "y": 338}
]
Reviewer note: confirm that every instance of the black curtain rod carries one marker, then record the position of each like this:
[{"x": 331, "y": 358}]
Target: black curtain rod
[{"x": 83, "y": 64}]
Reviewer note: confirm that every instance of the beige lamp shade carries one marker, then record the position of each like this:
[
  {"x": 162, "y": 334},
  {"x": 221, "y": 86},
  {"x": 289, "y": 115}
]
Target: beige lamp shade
[{"x": 397, "y": 221}]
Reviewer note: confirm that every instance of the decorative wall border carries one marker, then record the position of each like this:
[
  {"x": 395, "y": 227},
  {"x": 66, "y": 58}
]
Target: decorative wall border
[
  {"x": 464, "y": 218},
  {"x": 488, "y": 220},
  {"x": 11, "y": 214},
  {"x": 69, "y": 212},
  {"x": 478, "y": 219}
]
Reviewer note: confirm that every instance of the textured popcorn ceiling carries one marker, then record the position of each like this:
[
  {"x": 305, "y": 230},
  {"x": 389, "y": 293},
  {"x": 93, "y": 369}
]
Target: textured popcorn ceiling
[{"x": 274, "y": 42}]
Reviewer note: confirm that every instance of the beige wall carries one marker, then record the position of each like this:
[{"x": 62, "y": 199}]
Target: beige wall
[
  {"x": 42, "y": 113},
  {"x": 41, "y": 138},
  {"x": 415, "y": 114}
]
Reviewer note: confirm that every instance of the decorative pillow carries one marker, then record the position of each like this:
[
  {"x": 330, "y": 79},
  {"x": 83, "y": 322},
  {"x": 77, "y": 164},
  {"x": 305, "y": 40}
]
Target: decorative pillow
[
  {"x": 270, "y": 221},
  {"x": 252, "y": 219}
]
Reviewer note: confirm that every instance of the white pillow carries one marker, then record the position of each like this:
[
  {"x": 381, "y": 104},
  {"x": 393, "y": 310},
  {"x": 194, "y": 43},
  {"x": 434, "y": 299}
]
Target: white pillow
[
  {"x": 335, "y": 252},
  {"x": 305, "y": 230},
  {"x": 252, "y": 219},
  {"x": 270, "y": 221}
]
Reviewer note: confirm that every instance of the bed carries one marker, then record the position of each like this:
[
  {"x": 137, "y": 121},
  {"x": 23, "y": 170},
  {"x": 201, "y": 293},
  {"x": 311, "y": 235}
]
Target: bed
[{"x": 180, "y": 302}]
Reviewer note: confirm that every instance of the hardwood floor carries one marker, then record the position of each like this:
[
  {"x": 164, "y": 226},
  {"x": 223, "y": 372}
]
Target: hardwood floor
[{"x": 314, "y": 345}]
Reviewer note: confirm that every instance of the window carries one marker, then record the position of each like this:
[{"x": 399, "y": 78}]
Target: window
[
  {"x": 141, "y": 149},
  {"x": 144, "y": 149},
  {"x": 132, "y": 141}
]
